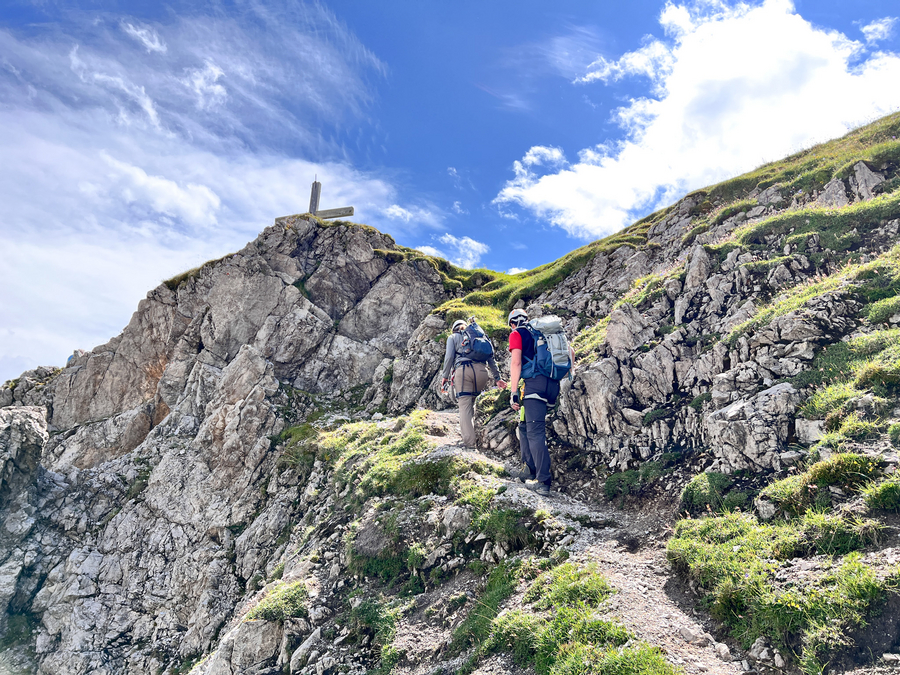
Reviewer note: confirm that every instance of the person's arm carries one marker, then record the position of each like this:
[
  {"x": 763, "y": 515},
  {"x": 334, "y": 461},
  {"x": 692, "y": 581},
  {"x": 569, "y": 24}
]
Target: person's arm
[
  {"x": 495, "y": 372},
  {"x": 449, "y": 358},
  {"x": 572, "y": 361},
  {"x": 515, "y": 370}
]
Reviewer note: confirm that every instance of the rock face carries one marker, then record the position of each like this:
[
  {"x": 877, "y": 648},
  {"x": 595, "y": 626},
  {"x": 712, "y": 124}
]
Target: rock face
[
  {"x": 141, "y": 496},
  {"x": 128, "y": 528}
]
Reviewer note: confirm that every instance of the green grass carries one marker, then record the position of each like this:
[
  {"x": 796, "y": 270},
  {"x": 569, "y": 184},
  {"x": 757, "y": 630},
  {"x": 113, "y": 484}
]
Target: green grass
[
  {"x": 569, "y": 585},
  {"x": 378, "y": 461},
  {"x": 473, "y": 631},
  {"x": 795, "y": 495},
  {"x": 869, "y": 282},
  {"x": 377, "y": 619},
  {"x": 735, "y": 559},
  {"x": 812, "y": 168},
  {"x": 621, "y": 484},
  {"x": 884, "y": 495},
  {"x": 282, "y": 602},
  {"x": 562, "y": 633},
  {"x": 176, "y": 281},
  {"x": 492, "y": 303},
  {"x": 845, "y": 371},
  {"x": 732, "y": 209},
  {"x": 705, "y": 492},
  {"x": 588, "y": 343}
]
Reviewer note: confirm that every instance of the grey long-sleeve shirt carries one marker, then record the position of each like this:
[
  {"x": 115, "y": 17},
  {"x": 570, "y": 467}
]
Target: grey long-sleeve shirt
[{"x": 452, "y": 358}]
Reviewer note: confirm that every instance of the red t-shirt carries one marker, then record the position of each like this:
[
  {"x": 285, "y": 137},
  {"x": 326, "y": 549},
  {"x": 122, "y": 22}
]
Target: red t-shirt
[
  {"x": 515, "y": 340},
  {"x": 521, "y": 339}
]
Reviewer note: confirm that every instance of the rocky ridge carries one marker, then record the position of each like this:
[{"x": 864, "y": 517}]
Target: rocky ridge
[{"x": 147, "y": 506}]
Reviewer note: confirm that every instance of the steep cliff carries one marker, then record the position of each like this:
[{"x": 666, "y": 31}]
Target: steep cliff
[{"x": 221, "y": 482}]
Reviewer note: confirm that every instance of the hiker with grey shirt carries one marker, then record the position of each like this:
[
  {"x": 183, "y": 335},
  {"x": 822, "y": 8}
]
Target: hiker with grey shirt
[{"x": 470, "y": 378}]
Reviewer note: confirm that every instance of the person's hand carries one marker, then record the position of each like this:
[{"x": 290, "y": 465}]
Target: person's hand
[
  {"x": 514, "y": 402},
  {"x": 501, "y": 384}
]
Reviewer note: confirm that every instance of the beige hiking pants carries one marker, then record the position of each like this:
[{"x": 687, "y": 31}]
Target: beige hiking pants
[{"x": 468, "y": 381}]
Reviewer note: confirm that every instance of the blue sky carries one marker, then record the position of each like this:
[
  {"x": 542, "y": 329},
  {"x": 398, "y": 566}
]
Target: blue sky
[{"x": 142, "y": 138}]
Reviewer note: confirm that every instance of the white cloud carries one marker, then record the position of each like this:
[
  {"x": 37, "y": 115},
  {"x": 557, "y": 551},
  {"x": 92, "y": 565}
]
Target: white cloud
[
  {"x": 738, "y": 86},
  {"x": 146, "y": 36},
  {"x": 880, "y": 29},
  {"x": 194, "y": 204},
  {"x": 415, "y": 216},
  {"x": 204, "y": 82},
  {"x": 115, "y": 84},
  {"x": 468, "y": 251},
  {"x": 653, "y": 60},
  {"x": 458, "y": 209},
  {"x": 121, "y": 170},
  {"x": 398, "y": 213},
  {"x": 517, "y": 270},
  {"x": 432, "y": 251},
  {"x": 541, "y": 156}
]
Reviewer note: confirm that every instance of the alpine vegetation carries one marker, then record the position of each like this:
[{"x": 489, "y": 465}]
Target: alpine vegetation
[{"x": 262, "y": 474}]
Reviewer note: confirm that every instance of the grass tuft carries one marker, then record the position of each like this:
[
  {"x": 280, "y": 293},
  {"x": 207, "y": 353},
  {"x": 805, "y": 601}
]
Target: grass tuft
[{"x": 282, "y": 602}]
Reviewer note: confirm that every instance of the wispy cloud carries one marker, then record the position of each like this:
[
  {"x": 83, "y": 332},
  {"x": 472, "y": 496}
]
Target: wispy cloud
[
  {"x": 133, "y": 152},
  {"x": 731, "y": 86},
  {"x": 879, "y": 30},
  {"x": 413, "y": 215},
  {"x": 204, "y": 82},
  {"x": 458, "y": 209},
  {"x": 565, "y": 53},
  {"x": 517, "y": 270},
  {"x": 146, "y": 36}
]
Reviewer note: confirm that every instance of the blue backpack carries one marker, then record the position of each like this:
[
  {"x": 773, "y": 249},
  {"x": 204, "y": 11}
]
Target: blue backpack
[
  {"x": 475, "y": 344},
  {"x": 551, "y": 349}
]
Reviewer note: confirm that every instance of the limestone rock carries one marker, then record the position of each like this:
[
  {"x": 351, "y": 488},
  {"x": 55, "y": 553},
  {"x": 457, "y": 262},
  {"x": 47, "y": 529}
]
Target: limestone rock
[
  {"x": 809, "y": 431},
  {"x": 748, "y": 434},
  {"x": 627, "y": 329},
  {"x": 834, "y": 195},
  {"x": 864, "y": 181},
  {"x": 698, "y": 268},
  {"x": 250, "y": 648}
]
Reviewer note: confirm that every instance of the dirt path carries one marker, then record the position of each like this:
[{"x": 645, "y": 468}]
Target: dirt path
[{"x": 629, "y": 548}]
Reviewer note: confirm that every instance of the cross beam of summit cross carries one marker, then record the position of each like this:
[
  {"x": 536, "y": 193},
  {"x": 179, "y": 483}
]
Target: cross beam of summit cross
[{"x": 327, "y": 213}]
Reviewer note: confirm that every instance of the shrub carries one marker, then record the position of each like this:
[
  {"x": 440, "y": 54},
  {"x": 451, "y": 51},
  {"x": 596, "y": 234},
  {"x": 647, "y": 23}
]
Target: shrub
[
  {"x": 654, "y": 415},
  {"x": 698, "y": 401},
  {"x": 894, "y": 433},
  {"x": 377, "y": 619}
]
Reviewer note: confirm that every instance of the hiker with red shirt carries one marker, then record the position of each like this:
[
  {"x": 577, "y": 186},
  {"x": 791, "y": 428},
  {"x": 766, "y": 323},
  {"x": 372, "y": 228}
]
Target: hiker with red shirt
[{"x": 540, "y": 394}]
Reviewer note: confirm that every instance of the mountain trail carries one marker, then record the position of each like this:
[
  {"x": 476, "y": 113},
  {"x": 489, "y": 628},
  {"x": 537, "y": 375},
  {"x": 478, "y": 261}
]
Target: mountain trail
[{"x": 627, "y": 547}]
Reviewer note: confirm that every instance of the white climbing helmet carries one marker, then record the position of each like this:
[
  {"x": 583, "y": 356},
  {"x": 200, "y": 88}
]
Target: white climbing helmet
[
  {"x": 459, "y": 325},
  {"x": 517, "y": 317}
]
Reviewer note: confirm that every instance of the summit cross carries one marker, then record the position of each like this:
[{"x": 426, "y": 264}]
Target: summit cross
[{"x": 327, "y": 213}]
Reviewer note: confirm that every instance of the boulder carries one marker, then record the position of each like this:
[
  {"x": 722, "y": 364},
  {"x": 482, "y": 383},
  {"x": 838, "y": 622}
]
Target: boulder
[{"x": 834, "y": 195}]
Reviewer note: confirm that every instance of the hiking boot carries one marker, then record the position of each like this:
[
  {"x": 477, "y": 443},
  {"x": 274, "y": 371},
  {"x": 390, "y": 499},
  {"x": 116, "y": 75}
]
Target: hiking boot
[
  {"x": 522, "y": 474},
  {"x": 538, "y": 486}
]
